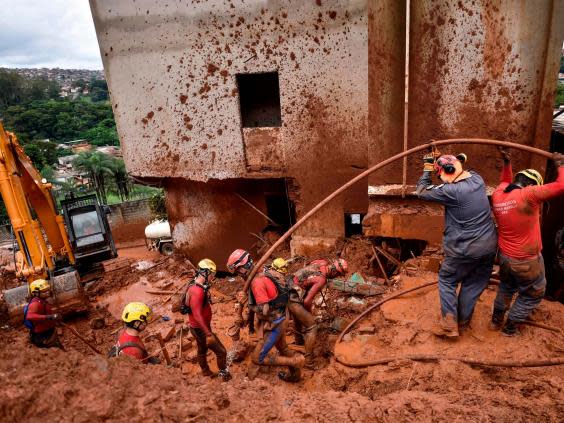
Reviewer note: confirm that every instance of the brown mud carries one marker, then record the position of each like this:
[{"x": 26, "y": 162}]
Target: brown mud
[{"x": 50, "y": 385}]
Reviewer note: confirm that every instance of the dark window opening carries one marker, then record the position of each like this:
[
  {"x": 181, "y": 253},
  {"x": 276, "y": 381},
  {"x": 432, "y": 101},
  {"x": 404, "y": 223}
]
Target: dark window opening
[
  {"x": 259, "y": 97},
  {"x": 353, "y": 224},
  {"x": 281, "y": 210}
]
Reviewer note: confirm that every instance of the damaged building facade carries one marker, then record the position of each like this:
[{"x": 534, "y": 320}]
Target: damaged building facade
[{"x": 278, "y": 103}]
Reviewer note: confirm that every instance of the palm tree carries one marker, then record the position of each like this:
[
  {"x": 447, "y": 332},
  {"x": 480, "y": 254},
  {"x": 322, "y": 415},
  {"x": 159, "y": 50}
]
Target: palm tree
[
  {"x": 121, "y": 178},
  {"x": 98, "y": 165}
]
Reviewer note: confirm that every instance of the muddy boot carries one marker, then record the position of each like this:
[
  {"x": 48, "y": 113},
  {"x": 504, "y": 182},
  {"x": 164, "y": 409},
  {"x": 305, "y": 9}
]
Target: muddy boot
[
  {"x": 497, "y": 319},
  {"x": 510, "y": 328},
  {"x": 293, "y": 375},
  {"x": 224, "y": 375},
  {"x": 252, "y": 371},
  {"x": 309, "y": 343},
  {"x": 446, "y": 326}
]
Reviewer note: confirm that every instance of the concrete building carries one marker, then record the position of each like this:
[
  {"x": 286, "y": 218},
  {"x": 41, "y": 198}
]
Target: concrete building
[{"x": 280, "y": 102}]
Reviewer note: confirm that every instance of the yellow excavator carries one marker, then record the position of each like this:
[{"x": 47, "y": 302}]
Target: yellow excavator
[{"x": 52, "y": 246}]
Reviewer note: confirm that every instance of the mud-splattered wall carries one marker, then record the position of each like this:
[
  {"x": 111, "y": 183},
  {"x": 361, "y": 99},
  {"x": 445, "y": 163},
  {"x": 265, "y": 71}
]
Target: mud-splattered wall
[{"x": 477, "y": 68}]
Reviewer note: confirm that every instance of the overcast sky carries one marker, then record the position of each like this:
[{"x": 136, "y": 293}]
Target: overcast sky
[{"x": 48, "y": 33}]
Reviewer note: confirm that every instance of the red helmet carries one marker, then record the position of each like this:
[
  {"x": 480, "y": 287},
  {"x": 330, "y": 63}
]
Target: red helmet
[
  {"x": 341, "y": 266},
  {"x": 238, "y": 258}
]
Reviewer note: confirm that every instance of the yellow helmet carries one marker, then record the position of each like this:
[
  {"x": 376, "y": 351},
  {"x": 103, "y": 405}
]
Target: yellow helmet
[
  {"x": 136, "y": 311},
  {"x": 533, "y": 175},
  {"x": 39, "y": 285},
  {"x": 207, "y": 264},
  {"x": 280, "y": 265}
]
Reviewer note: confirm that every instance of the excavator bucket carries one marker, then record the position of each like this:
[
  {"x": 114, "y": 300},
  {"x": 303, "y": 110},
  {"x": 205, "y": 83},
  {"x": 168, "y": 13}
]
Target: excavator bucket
[{"x": 67, "y": 296}]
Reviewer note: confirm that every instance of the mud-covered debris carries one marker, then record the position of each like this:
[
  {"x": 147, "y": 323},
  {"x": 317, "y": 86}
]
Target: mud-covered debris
[
  {"x": 167, "y": 333},
  {"x": 339, "y": 323},
  {"x": 367, "y": 330},
  {"x": 97, "y": 323}
]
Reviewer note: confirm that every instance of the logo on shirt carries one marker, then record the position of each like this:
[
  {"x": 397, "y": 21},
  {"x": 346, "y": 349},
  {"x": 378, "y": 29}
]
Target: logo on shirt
[{"x": 505, "y": 207}]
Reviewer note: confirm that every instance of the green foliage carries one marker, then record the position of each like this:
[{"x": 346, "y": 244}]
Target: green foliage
[
  {"x": 559, "y": 97},
  {"x": 98, "y": 166},
  {"x": 101, "y": 135},
  {"x": 15, "y": 89},
  {"x": 48, "y": 173},
  {"x": 157, "y": 205},
  {"x": 42, "y": 153}
]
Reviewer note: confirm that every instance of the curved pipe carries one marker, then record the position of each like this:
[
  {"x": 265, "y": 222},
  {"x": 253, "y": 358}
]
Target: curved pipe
[{"x": 374, "y": 168}]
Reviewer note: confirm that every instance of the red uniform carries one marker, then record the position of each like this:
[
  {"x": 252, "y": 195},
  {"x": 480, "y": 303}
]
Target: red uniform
[
  {"x": 517, "y": 214},
  {"x": 38, "y": 313},
  {"x": 138, "y": 353},
  {"x": 263, "y": 289},
  {"x": 201, "y": 315},
  {"x": 315, "y": 278}
]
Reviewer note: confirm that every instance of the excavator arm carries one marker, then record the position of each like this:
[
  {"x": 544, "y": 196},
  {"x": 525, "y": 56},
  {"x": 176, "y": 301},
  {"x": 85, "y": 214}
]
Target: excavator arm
[{"x": 31, "y": 209}]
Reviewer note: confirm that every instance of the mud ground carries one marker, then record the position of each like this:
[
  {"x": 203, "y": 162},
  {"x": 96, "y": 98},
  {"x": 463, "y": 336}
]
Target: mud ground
[{"x": 79, "y": 386}]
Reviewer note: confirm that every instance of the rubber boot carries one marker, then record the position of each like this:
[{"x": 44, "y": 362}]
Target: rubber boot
[
  {"x": 446, "y": 326},
  {"x": 497, "y": 319},
  {"x": 224, "y": 375},
  {"x": 292, "y": 376},
  {"x": 510, "y": 328},
  {"x": 309, "y": 343}
]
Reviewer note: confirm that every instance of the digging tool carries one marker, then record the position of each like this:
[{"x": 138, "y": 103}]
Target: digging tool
[
  {"x": 380, "y": 265},
  {"x": 76, "y": 334},
  {"x": 367, "y": 172},
  {"x": 164, "y": 350}
]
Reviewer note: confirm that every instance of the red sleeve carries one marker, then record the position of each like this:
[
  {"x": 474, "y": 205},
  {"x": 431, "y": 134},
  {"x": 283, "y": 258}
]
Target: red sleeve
[
  {"x": 317, "y": 284},
  {"x": 37, "y": 312},
  {"x": 260, "y": 290},
  {"x": 506, "y": 173},
  {"x": 196, "y": 304},
  {"x": 539, "y": 193}
]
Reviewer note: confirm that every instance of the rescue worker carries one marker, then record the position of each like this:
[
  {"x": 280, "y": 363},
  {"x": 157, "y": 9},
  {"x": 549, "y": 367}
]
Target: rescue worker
[
  {"x": 469, "y": 241},
  {"x": 268, "y": 296},
  {"x": 135, "y": 316},
  {"x": 198, "y": 301},
  {"x": 516, "y": 205},
  {"x": 39, "y": 317},
  {"x": 307, "y": 283},
  {"x": 241, "y": 263}
]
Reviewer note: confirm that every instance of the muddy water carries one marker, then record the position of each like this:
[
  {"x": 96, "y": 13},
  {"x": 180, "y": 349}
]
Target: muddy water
[{"x": 134, "y": 292}]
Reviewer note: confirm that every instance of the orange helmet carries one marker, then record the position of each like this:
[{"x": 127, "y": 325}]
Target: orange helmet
[
  {"x": 341, "y": 266},
  {"x": 239, "y": 258}
]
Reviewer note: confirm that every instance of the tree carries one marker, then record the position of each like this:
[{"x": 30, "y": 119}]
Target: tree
[
  {"x": 98, "y": 166},
  {"x": 101, "y": 135},
  {"x": 48, "y": 173},
  {"x": 157, "y": 204},
  {"x": 121, "y": 178}
]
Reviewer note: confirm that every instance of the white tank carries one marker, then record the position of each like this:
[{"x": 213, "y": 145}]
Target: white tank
[{"x": 158, "y": 229}]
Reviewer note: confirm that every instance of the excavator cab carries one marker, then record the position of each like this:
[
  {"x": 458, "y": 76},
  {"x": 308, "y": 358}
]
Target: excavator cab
[{"x": 88, "y": 230}]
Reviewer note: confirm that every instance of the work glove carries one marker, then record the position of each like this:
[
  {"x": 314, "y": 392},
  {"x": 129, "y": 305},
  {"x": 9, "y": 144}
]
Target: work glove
[
  {"x": 505, "y": 154},
  {"x": 241, "y": 297},
  {"x": 558, "y": 159},
  {"x": 429, "y": 162}
]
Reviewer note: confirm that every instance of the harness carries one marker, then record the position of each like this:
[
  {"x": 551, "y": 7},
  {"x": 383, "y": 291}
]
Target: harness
[
  {"x": 117, "y": 349},
  {"x": 185, "y": 308}
]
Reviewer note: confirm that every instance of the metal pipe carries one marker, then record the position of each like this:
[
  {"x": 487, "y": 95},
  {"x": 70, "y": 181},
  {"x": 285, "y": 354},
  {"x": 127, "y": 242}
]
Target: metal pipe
[
  {"x": 300, "y": 222},
  {"x": 406, "y": 97}
]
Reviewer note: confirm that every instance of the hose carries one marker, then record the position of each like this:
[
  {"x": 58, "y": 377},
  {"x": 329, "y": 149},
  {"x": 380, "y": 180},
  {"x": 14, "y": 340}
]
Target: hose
[{"x": 374, "y": 168}]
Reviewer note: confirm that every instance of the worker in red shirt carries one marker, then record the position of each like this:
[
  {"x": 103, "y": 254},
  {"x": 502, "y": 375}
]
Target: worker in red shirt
[
  {"x": 307, "y": 283},
  {"x": 39, "y": 317},
  {"x": 268, "y": 297},
  {"x": 135, "y": 315},
  {"x": 241, "y": 263},
  {"x": 516, "y": 205},
  {"x": 198, "y": 302}
]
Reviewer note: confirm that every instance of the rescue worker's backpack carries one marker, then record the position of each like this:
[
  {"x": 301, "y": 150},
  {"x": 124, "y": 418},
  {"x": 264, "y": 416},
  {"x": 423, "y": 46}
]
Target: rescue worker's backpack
[
  {"x": 27, "y": 323},
  {"x": 282, "y": 288}
]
